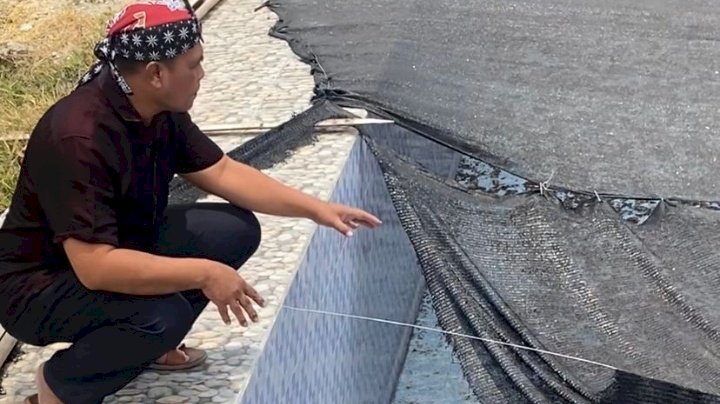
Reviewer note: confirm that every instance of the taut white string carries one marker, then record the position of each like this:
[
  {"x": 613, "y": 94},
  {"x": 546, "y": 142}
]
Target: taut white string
[
  {"x": 544, "y": 185},
  {"x": 420, "y": 327}
]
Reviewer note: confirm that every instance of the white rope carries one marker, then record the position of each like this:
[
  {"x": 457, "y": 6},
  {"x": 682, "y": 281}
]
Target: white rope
[
  {"x": 420, "y": 327},
  {"x": 317, "y": 61},
  {"x": 544, "y": 185}
]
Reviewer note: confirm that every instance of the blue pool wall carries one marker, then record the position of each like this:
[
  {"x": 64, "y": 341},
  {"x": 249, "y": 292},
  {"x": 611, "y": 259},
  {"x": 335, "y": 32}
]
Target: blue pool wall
[{"x": 314, "y": 358}]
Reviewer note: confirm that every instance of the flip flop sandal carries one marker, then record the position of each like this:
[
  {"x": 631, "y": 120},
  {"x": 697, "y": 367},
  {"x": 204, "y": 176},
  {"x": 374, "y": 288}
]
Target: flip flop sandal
[{"x": 195, "y": 356}]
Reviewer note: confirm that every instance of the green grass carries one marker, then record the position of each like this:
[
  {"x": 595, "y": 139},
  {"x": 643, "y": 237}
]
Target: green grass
[{"x": 61, "y": 45}]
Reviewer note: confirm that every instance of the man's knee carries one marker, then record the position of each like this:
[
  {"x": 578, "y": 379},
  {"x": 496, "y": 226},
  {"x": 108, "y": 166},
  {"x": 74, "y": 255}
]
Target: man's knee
[
  {"x": 253, "y": 233},
  {"x": 218, "y": 231},
  {"x": 240, "y": 236},
  {"x": 163, "y": 322}
]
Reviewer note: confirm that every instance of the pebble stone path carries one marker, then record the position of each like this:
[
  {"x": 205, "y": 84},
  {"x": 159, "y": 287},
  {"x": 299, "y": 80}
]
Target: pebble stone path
[{"x": 252, "y": 80}]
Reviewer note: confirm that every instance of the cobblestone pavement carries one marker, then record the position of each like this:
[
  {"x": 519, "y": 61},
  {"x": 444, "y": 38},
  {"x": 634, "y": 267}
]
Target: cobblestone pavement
[{"x": 252, "y": 80}]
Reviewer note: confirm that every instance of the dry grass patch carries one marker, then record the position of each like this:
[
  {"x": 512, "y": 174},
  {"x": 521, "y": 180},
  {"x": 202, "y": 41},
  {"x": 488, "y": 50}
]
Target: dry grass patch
[
  {"x": 10, "y": 158},
  {"x": 47, "y": 54}
]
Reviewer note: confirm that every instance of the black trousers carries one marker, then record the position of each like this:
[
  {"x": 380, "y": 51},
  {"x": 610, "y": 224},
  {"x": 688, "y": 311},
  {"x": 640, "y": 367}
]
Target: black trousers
[{"x": 114, "y": 336}]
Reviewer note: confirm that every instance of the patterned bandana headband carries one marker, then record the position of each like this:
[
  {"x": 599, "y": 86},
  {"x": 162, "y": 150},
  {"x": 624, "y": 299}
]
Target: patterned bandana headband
[{"x": 146, "y": 31}]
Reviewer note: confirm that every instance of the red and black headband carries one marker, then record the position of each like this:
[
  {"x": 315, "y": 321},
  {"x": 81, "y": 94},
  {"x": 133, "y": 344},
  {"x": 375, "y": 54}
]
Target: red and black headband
[{"x": 146, "y": 31}]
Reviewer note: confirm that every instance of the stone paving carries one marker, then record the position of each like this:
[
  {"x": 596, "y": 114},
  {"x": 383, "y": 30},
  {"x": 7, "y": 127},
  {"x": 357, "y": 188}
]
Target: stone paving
[{"x": 252, "y": 80}]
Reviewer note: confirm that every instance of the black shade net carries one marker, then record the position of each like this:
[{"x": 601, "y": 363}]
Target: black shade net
[{"x": 600, "y": 95}]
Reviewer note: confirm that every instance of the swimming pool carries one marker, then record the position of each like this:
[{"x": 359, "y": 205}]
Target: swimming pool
[{"x": 314, "y": 355}]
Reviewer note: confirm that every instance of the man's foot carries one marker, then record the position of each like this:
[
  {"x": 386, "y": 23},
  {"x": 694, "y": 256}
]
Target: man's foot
[
  {"x": 180, "y": 359},
  {"x": 45, "y": 395}
]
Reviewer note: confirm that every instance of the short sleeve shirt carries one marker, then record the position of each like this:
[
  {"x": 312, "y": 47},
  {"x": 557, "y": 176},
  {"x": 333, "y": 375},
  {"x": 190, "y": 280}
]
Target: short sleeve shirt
[{"x": 94, "y": 171}]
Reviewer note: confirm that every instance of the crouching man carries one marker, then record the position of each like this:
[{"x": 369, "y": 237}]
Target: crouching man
[{"x": 91, "y": 253}]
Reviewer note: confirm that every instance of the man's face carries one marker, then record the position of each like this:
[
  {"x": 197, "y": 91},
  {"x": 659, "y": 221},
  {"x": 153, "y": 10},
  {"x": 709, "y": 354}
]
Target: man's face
[{"x": 180, "y": 79}]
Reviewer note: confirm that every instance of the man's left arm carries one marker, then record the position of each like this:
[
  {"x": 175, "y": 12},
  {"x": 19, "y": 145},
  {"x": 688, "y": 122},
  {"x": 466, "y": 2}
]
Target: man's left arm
[{"x": 247, "y": 187}]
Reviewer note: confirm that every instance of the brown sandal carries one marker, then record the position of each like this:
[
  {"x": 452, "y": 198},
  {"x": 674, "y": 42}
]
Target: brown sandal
[
  {"x": 31, "y": 399},
  {"x": 195, "y": 356}
]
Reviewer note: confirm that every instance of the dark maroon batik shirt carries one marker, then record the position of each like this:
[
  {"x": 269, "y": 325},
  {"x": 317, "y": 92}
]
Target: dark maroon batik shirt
[{"x": 93, "y": 171}]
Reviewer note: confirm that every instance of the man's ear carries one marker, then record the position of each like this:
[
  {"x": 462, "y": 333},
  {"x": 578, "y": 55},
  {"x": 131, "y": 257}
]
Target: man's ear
[{"x": 154, "y": 72}]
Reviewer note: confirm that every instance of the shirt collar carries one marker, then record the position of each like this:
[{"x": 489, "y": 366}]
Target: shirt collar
[{"x": 118, "y": 100}]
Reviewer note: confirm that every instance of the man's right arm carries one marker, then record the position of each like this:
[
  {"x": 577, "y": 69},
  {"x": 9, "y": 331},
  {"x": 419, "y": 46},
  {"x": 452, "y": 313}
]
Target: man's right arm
[
  {"x": 76, "y": 184},
  {"x": 76, "y": 181},
  {"x": 105, "y": 267}
]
